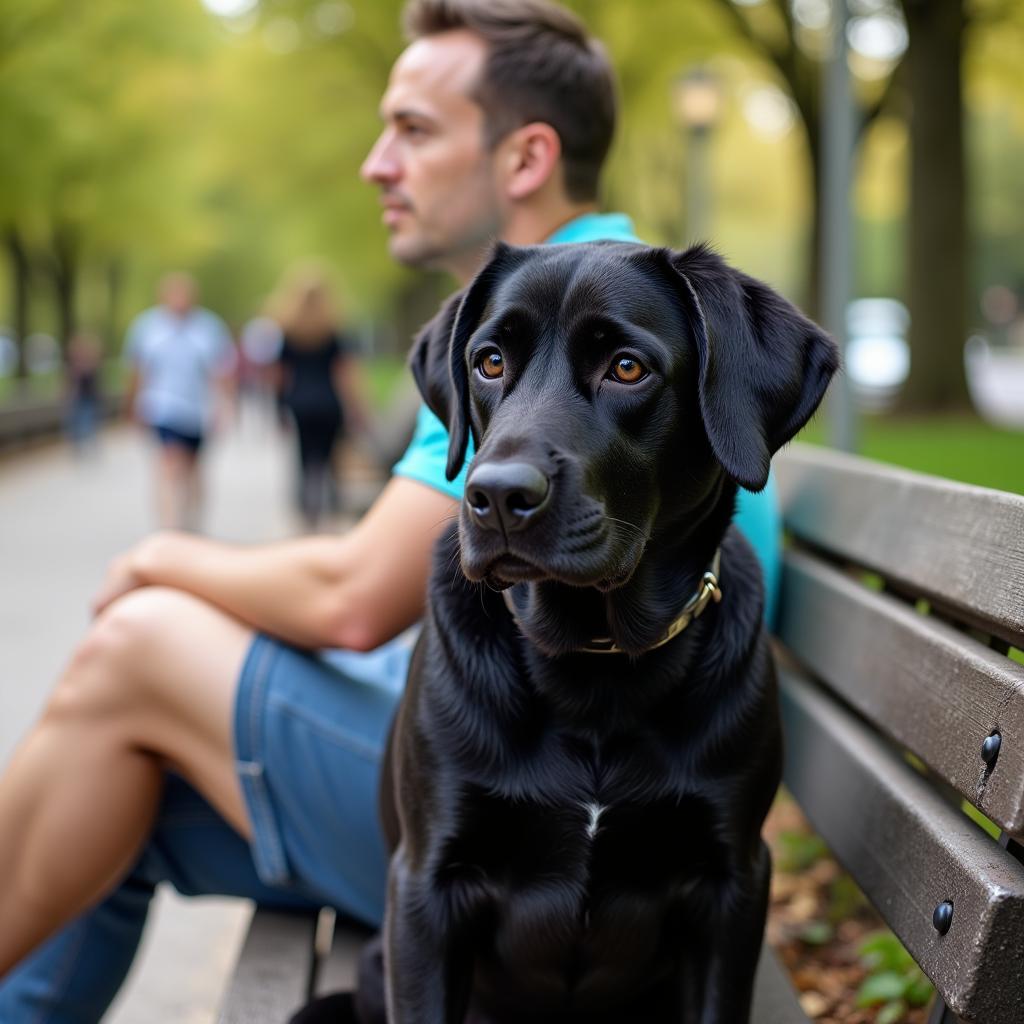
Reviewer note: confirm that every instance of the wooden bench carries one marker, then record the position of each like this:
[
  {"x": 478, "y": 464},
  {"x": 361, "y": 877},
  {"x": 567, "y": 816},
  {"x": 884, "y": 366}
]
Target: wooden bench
[{"x": 901, "y": 617}]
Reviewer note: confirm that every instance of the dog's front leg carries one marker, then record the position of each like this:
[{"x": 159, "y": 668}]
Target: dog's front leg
[
  {"x": 428, "y": 972},
  {"x": 718, "y": 986}
]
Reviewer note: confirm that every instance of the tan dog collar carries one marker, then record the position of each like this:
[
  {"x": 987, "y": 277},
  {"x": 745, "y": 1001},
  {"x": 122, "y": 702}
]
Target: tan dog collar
[{"x": 707, "y": 590}]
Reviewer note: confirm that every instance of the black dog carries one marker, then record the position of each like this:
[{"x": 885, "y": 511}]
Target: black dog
[{"x": 589, "y": 741}]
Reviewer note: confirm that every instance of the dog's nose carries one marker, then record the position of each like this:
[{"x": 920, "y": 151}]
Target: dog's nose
[{"x": 506, "y": 495}]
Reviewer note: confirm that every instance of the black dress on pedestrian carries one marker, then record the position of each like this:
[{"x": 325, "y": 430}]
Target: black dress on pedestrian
[{"x": 309, "y": 393}]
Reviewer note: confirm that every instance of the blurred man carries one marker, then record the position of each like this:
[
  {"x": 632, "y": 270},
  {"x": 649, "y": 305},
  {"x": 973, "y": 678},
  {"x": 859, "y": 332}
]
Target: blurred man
[
  {"x": 497, "y": 119},
  {"x": 182, "y": 359}
]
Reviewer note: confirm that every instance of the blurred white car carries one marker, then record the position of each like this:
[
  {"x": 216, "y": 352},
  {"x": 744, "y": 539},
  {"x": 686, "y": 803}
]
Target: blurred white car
[
  {"x": 995, "y": 380},
  {"x": 877, "y": 354}
]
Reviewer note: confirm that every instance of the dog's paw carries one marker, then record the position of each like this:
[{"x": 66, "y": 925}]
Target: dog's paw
[{"x": 337, "y": 1008}]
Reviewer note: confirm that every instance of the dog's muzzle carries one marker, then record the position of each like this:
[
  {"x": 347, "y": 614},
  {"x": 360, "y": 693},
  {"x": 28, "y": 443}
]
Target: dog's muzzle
[{"x": 506, "y": 496}]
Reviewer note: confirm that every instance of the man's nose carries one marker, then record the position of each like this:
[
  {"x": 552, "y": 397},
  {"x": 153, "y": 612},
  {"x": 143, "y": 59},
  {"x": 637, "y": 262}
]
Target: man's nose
[
  {"x": 380, "y": 165},
  {"x": 506, "y": 495}
]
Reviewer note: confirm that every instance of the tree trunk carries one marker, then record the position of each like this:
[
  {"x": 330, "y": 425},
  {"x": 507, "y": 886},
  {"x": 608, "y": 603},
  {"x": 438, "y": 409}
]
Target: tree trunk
[
  {"x": 937, "y": 241},
  {"x": 115, "y": 283},
  {"x": 63, "y": 266},
  {"x": 20, "y": 284}
]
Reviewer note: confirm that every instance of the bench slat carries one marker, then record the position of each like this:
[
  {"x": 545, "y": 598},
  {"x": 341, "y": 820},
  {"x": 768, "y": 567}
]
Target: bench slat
[
  {"x": 775, "y": 1001},
  {"x": 909, "y": 851},
  {"x": 272, "y": 977},
  {"x": 953, "y": 543},
  {"x": 338, "y": 968},
  {"x": 935, "y": 690}
]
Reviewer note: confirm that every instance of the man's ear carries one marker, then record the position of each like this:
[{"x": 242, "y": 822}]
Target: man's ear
[
  {"x": 764, "y": 366},
  {"x": 529, "y": 157},
  {"x": 438, "y": 356}
]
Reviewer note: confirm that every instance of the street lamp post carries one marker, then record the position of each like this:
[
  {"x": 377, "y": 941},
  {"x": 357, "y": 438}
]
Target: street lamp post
[{"x": 697, "y": 101}]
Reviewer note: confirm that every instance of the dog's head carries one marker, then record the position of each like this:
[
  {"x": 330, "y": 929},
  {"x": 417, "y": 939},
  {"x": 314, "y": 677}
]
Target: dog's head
[{"x": 610, "y": 389}]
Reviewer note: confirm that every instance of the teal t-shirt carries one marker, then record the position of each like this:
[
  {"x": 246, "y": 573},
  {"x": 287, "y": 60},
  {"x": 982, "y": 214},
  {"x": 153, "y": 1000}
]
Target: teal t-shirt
[{"x": 757, "y": 515}]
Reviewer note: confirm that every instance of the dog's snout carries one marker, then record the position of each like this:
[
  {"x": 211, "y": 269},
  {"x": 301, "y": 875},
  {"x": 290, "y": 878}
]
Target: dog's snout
[{"x": 506, "y": 495}]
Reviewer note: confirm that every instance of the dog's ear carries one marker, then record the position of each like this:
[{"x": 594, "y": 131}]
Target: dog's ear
[
  {"x": 437, "y": 359},
  {"x": 428, "y": 361},
  {"x": 763, "y": 365}
]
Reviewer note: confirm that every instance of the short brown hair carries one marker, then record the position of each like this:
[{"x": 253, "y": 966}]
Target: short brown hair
[{"x": 541, "y": 66}]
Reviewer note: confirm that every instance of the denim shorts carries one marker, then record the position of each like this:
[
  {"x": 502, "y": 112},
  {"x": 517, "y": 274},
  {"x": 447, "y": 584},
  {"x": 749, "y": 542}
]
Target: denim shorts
[{"x": 310, "y": 731}]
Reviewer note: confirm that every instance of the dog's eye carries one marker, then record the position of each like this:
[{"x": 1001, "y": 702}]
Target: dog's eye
[
  {"x": 627, "y": 370},
  {"x": 491, "y": 364}
]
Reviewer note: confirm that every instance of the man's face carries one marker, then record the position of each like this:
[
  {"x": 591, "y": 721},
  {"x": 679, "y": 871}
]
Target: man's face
[
  {"x": 178, "y": 293},
  {"x": 442, "y": 204}
]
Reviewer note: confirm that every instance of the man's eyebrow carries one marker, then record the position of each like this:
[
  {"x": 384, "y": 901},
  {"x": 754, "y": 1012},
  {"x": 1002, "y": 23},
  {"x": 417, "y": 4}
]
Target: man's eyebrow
[{"x": 407, "y": 114}]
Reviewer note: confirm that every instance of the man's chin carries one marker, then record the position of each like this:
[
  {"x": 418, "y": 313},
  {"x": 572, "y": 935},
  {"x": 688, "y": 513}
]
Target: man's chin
[{"x": 411, "y": 252}]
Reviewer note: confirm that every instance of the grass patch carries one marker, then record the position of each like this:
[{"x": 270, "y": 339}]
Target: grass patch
[
  {"x": 961, "y": 448},
  {"x": 978, "y": 818}
]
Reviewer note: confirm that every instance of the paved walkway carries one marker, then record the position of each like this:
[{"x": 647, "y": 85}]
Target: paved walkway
[{"x": 61, "y": 520}]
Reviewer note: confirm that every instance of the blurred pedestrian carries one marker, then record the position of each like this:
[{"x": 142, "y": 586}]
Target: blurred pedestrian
[
  {"x": 82, "y": 390},
  {"x": 259, "y": 345},
  {"x": 317, "y": 386},
  {"x": 182, "y": 359}
]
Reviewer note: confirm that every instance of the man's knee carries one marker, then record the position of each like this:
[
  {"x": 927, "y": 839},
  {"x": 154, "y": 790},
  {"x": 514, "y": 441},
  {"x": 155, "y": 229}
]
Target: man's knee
[{"x": 109, "y": 672}]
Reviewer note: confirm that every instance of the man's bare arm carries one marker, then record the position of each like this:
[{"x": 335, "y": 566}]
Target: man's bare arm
[{"x": 356, "y": 590}]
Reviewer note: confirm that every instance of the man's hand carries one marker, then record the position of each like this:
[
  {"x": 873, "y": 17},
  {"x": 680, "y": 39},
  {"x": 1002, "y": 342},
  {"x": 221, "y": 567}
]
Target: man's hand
[
  {"x": 125, "y": 573},
  {"x": 120, "y": 578}
]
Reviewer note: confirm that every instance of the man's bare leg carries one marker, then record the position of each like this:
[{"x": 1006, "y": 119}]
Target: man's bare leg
[
  {"x": 192, "y": 514},
  {"x": 152, "y": 686}
]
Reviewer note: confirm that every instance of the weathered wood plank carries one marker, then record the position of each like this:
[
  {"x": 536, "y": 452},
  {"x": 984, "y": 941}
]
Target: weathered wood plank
[
  {"x": 775, "y": 1001},
  {"x": 274, "y": 971},
  {"x": 910, "y": 851},
  {"x": 337, "y": 972},
  {"x": 955, "y": 544},
  {"x": 935, "y": 690}
]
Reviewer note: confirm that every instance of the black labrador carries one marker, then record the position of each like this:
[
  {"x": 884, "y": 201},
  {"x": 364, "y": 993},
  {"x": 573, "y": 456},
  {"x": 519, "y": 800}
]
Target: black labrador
[{"x": 590, "y": 741}]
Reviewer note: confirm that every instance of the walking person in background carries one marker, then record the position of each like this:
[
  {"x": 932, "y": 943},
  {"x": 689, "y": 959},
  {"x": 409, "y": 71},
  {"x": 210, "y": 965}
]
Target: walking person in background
[
  {"x": 316, "y": 383},
  {"x": 182, "y": 358},
  {"x": 82, "y": 390}
]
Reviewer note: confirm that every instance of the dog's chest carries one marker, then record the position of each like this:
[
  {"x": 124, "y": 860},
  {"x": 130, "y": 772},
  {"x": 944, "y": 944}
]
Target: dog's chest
[
  {"x": 589, "y": 844},
  {"x": 581, "y": 892}
]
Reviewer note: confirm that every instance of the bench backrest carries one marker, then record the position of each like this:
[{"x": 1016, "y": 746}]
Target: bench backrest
[{"x": 900, "y": 637}]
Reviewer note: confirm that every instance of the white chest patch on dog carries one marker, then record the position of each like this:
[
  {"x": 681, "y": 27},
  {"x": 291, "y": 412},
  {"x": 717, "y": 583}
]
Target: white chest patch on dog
[{"x": 595, "y": 811}]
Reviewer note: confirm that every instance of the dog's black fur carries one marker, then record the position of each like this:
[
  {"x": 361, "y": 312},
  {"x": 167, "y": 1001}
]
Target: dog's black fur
[{"x": 577, "y": 835}]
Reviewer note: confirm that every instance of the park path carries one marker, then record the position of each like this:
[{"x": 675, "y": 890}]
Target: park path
[{"x": 61, "y": 520}]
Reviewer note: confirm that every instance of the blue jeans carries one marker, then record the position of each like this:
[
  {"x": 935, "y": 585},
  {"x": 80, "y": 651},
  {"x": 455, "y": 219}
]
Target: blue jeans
[
  {"x": 309, "y": 735},
  {"x": 73, "y": 977}
]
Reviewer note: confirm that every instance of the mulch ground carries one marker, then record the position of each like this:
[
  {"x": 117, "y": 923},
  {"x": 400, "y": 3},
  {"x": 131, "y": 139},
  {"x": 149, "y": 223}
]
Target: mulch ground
[{"x": 817, "y": 923}]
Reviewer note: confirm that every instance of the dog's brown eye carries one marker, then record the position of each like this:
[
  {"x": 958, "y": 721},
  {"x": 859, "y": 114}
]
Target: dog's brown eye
[
  {"x": 491, "y": 364},
  {"x": 627, "y": 370}
]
